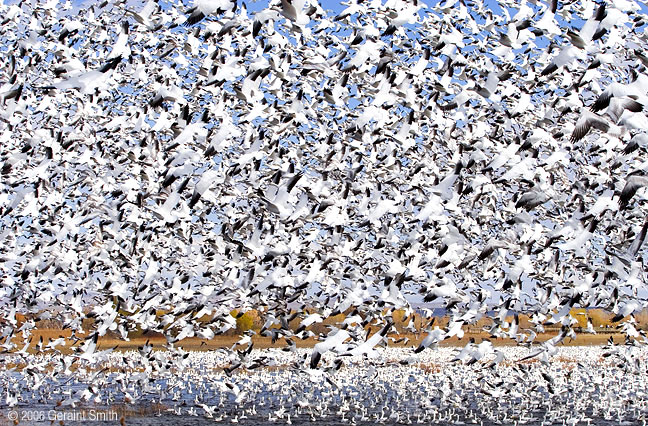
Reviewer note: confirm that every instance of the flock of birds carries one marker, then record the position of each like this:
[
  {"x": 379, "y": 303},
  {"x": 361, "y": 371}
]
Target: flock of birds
[
  {"x": 195, "y": 160},
  {"x": 575, "y": 388}
]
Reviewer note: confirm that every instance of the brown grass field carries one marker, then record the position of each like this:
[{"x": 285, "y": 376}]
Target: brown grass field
[
  {"x": 159, "y": 342},
  {"x": 252, "y": 320}
]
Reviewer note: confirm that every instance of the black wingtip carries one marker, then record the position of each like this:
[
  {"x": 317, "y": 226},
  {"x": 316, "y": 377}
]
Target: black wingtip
[
  {"x": 600, "y": 33},
  {"x": 634, "y": 106},
  {"x": 315, "y": 359},
  {"x": 574, "y": 138},
  {"x": 194, "y": 199},
  {"x": 391, "y": 29},
  {"x": 601, "y": 103},
  {"x": 111, "y": 64},
  {"x": 551, "y": 68},
  {"x": 600, "y": 13},
  {"x": 256, "y": 28},
  {"x": 195, "y": 17},
  {"x": 156, "y": 101},
  {"x": 168, "y": 180}
]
